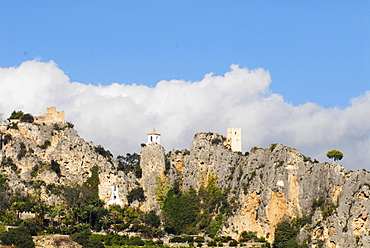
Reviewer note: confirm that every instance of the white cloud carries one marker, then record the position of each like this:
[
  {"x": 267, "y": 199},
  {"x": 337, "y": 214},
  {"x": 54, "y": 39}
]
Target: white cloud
[{"x": 119, "y": 116}]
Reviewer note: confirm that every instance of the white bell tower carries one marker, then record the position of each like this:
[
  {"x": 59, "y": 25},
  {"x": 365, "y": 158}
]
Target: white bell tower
[{"x": 154, "y": 137}]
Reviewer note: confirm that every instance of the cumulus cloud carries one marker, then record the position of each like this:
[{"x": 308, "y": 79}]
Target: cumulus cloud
[{"x": 119, "y": 116}]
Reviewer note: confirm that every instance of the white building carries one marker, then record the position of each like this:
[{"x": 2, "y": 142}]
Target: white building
[
  {"x": 154, "y": 137},
  {"x": 234, "y": 137},
  {"x": 114, "y": 199}
]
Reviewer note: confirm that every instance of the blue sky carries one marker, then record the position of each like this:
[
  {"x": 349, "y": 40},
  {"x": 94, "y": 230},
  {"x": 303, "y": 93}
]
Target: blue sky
[
  {"x": 121, "y": 68},
  {"x": 315, "y": 51}
]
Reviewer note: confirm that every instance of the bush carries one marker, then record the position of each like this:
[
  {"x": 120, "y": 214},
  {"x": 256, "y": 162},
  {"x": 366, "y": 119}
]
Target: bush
[
  {"x": 212, "y": 243},
  {"x": 27, "y": 118},
  {"x": 136, "y": 240},
  {"x": 70, "y": 125},
  {"x": 20, "y": 237},
  {"x": 105, "y": 153},
  {"x": 22, "y": 151},
  {"x": 46, "y": 144},
  {"x": 6, "y": 139},
  {"x": 216, "y": 141},
  {"x": 31, "y": 226},
  {"x": 247, "y": 236},
  {"x": 9, "y": 163},
  {"x": 16, "y": 115},
  {"x": 176, "y": 239},
  {"x": 152, "y": 219},
  {"x": 84, "y": 239},
  {"x": 55, "y": 167},
  {"x": 136, "y": 194},
  {"x": 285, "y": 235},
  {"x": 233, "y": 243}
]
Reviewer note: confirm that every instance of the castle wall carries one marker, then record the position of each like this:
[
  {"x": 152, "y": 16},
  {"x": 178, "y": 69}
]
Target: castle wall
[{"x": 52, "y": 116}]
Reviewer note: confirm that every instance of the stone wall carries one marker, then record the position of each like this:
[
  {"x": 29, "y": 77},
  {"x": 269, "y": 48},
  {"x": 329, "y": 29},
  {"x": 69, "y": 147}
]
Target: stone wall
[{"x": 52, "y": 116}]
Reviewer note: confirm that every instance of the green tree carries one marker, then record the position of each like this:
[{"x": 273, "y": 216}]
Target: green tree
[
  {"x": 84, "y": 239},
  {"x": 179, "y": 214},
  {"x": 130, "y": 162},
  {"x": 20, "y": 237},
  {"x": 285, "y": 235},
  {"x": 136, "y": 194},
  {"x": 152, "y": 219},
  {"x": 105, "y": 220},
  {"x": 105, "y": 153},
  {"x": 4, "y": 196},
  {"x": 335, "y": 154},
  {"x": 16, "y": 115}
]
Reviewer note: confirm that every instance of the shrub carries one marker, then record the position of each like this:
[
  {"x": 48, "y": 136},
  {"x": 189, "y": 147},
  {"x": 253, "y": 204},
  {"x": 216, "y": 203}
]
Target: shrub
[
  {"x": 46, "y": 144},
  {"x": 176, "y": 239},
  {"x": 33, "y": 173},
  {"x": 212, "y": 243},
  {"x": 216, "y": 141},
  {"x": 281, "y": 162},
  {"x": 20, "y": 237},
  {"x": 22, "y": 151},
  {"x": 199, "y": 239},
  {"x": 247, "y": 236},
  {"x": 9, "y": 163},
  {"x": 105, "y": 153},
  {"x": 84, "y": 239},
  {"x": 135, "y": 240},
  {"x": 152, "y": 219},
  {"x": 285, "y": 235},
  {"x": 233, "y": 243},
  {"x": 55, "y": 167},
  {"x": 13, "y": 126},
  {"x": 70, "y": 125},
  {"x": 7, "y": 138},
  {"x": 136, "y": 194},
  {"x": 27, "y": 118}
]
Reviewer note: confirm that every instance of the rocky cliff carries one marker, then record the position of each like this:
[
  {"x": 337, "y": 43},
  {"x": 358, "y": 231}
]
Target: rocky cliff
[
  {"x": 270, "y": 185},
  {"x": 54, "y": 155},
  {"x": 261, "y": 188}
]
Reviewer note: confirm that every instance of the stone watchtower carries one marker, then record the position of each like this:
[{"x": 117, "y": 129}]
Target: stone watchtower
[
  {"x": 234, "y": 139},
  {"x": 52, "y": 116},
  {"x": 154, "y": 137}
]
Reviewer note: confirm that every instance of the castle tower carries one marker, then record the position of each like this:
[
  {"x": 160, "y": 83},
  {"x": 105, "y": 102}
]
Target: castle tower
[
  {"x": 154, "y": 137},
  {"x": 52, "y": 116},
  {"x": 234, "y": 137}
]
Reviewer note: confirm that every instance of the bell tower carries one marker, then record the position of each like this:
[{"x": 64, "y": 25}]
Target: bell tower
[{"x": 154, "y": 137}]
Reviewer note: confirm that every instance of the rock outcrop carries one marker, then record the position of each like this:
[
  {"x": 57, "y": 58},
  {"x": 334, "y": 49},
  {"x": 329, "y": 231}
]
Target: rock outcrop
[
  {"x": 278, "y": 183},
  {"x": 55, "y": 241},
  {"x": 264, "y": 186}
]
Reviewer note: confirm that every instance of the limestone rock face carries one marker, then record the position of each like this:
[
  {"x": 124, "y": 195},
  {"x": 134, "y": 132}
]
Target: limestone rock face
[
  {"x": 153, "y": 166},
  {"x": 264, "y": 187},
  {"x": 33, "y": 147},
  {"x": 278, "y": 183},
  {"x": 56, "y": 240}
]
